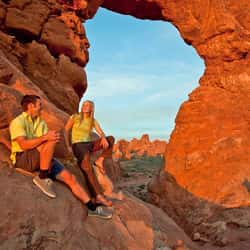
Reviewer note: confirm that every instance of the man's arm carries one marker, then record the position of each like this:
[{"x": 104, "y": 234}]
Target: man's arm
[
  {"x": 18, "y": 134},
  {"x": 25, "y": 143}
]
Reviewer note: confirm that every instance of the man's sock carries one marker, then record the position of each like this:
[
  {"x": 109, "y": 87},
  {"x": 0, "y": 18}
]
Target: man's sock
[
  {"x": 91, "y": 206},
  {"x": 43, "y": 174}
]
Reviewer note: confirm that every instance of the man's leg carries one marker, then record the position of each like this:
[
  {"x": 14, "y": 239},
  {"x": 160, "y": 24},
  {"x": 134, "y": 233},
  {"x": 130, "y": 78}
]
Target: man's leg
[
  {"x": 43, "y": 181},
  {"x": 28, "y": 160},
  {"x": 46, "y": 154},
  {"x": 70, "y": 180},
  {"x": 36, "y": 158}
]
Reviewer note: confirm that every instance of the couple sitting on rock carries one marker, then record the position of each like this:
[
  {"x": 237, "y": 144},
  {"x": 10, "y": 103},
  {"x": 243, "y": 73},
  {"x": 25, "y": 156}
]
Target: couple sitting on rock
[{"x": 33, "y": 146}]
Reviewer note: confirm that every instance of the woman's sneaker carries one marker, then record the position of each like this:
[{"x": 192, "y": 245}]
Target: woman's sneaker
[
  {"x": 100, "y": 212},
  {"x": 45, "y": 185}
]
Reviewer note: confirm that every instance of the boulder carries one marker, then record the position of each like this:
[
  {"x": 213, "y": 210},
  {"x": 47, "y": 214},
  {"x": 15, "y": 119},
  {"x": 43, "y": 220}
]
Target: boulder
[
  {"x": 62, "y": 223},
  {"x": 26, "y": 18}
]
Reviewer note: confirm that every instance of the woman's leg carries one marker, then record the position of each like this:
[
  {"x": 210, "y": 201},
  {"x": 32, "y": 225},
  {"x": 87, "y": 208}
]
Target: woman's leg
[
  {"x": 107, "y": 185},
  {"x": 102, "y": 176},
  {"x": 89, "y": 174},
  {"x": 105, "y": 182},
  {"x": 92, "y": 181},
  {"x": 106, "y": 153}
]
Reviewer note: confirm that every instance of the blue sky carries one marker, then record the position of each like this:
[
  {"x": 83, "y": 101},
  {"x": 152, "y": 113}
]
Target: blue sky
[{"x": 139, "y": 73}]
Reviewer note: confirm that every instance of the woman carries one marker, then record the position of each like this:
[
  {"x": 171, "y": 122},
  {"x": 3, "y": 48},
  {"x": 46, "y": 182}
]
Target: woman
[{"x": 81, "y": 126}]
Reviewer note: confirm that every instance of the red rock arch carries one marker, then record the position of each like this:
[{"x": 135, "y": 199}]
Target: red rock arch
[{"x": 208, "y": 152}]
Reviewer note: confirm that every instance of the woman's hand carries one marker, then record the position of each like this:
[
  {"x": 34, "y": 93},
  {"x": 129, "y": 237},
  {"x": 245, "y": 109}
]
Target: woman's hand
[
  {"x": 104, "y": 143},
  {"x": 70, "y": 150},
  {"x": 102, "y": 170}
]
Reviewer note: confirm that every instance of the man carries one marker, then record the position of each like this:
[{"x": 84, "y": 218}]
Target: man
[{"x": 32, "y": 148}]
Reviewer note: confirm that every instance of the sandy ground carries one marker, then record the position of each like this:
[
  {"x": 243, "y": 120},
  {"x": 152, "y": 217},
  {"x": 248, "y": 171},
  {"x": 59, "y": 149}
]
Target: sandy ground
[{"x": 137, "y": 172}]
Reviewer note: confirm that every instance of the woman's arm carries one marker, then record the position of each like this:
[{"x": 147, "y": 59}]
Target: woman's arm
[
  {"x": 100, "y": 132},
  {"x": 98, "y": 129}
]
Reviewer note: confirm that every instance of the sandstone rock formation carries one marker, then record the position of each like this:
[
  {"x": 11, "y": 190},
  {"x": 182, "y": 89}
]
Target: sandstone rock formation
[
  {"x": 126, "y": 149},
  {"x": 38, "y": 222},
  {"x": 11, "y": 94},
  {"x": 42, "y": 50},
  {"x": 43, "y": 47},
  {"x": 49, "y": 45},
  {"x": 208, "y": 152},
  {"x": 205, "y": 222},
  {"x": 211, "y": 133}
]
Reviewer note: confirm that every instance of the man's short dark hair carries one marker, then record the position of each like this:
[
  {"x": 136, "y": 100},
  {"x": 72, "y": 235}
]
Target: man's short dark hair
[{"x": 27, "y": 99}]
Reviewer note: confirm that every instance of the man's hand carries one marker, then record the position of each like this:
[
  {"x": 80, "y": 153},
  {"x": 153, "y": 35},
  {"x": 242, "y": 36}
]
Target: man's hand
[
  {"x": 104, "y": 143},
  {"x": 52, "y": 135}
]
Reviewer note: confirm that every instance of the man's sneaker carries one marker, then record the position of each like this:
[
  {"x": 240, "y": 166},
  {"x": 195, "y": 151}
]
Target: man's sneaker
[
  {"x": 45, "y": 185},
  {"x": 100, "y": 212}
]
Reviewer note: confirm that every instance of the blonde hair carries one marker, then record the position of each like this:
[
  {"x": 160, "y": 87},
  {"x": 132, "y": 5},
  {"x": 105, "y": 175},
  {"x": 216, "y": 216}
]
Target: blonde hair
[{"x": 91, "y": 113}]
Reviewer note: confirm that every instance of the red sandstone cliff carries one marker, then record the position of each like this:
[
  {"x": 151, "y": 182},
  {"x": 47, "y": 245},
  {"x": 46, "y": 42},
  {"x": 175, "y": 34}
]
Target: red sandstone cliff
[
  {"x": 212, "y": 128},
  {"x": 138, "y": 147},
  {"x": 43, "y": 49},
  {"x": 208, "y": 151}
]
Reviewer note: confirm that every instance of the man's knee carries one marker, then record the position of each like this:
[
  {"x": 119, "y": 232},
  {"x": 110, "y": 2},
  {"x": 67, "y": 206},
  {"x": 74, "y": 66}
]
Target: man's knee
[
  {"x": 50, "y": 144},
  {"x": 47, "y": 145}
]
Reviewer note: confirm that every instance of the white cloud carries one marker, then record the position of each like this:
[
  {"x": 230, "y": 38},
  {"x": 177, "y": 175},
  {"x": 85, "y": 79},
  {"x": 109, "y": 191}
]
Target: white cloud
[
  {"x": 157, "y": 96},
  {"x": 107, "y": 85}
]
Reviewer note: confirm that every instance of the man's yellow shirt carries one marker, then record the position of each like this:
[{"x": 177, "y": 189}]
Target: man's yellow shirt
[{"x": 24, "y": 125}]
